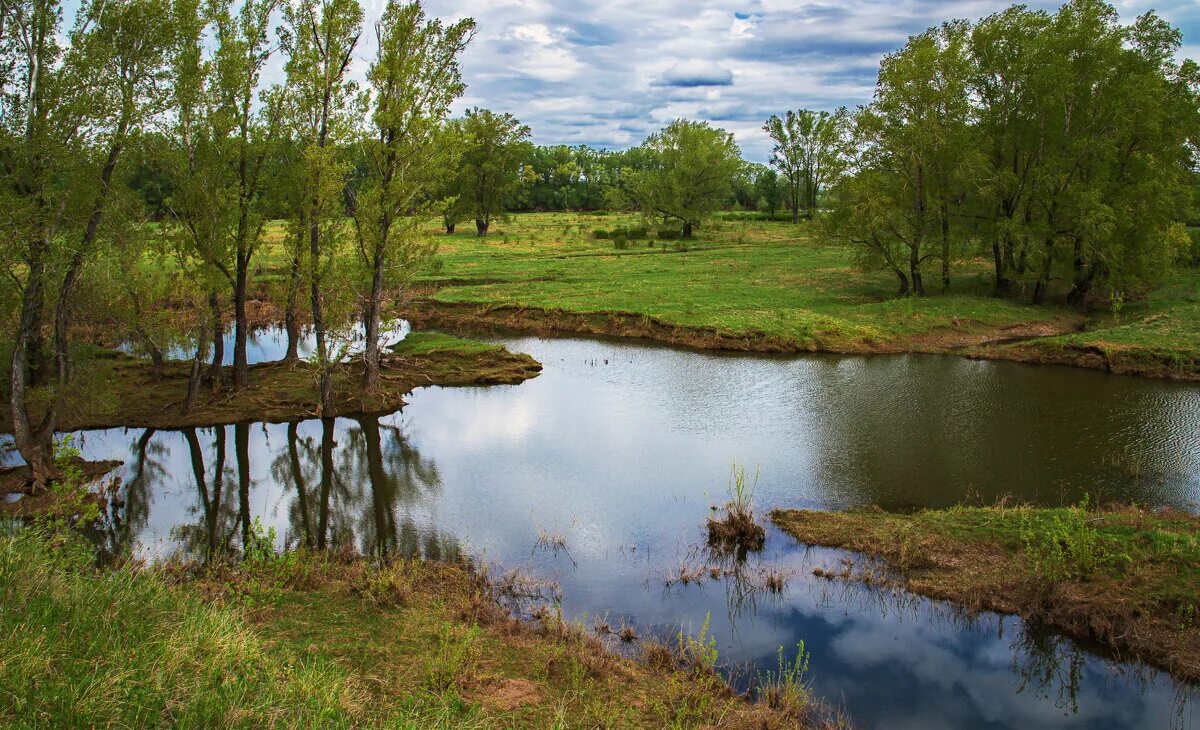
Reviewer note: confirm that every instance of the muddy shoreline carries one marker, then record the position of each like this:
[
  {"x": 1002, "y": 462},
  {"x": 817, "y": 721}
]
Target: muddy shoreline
[
  {"x": 1011, "y": 343},
  {"x": 131, "y": 396}
]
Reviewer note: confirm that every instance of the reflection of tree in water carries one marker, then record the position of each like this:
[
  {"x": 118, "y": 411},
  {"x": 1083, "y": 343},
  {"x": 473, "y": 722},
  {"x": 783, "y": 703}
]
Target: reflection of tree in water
[
  {"x": 116, "y": 533},
  {"x": 1048, "y": 664},
  {"x": 399, "y": 477},
  {"x": 355, "y": 494},
  {"x": 318, "y": 513},
  {"x": 218, "y": 512}
]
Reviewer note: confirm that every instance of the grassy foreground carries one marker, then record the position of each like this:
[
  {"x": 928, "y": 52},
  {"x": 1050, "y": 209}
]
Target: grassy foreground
[
  {"x": 1128, "y": 578},
  {"x": 116, "y": 390},
  {"x": 316, "y": 640},
  {"x": 771, "y": 286}
]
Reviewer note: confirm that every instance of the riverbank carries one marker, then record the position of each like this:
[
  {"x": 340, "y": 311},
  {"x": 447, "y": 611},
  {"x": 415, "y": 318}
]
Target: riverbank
[
  {"x": 115, "y": 390},
  {"x": 322, "y": 639},
  {"x": 773, "y": 287},
  {"x": 1127, "y": 578}
]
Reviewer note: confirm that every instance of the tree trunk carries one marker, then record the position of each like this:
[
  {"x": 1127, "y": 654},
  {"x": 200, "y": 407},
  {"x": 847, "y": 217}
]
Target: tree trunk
[
  {"x": 914, "y": 270},
  {"x": 687, "y": 229},
  {"x": 449, "y": 229},
  {"x": 35, "y": 444},
  {"x": 197, "y": 372},
  {"x": 904, "y": 289},
  {"x": 289, "y": 316},
  {"x": 325, "y": 375},
  {"x": 945, "y": 249},
  {"x": 1043, "y": 282},
  {"x": 1004, "y": 282},
  {"x": 1081, "y": 283},
  {"x": 481, "y": 227},
  {"x": 241, "y": 368},
  {"x": 371, "y": 356},
  {"x": 218, "y": 341}
]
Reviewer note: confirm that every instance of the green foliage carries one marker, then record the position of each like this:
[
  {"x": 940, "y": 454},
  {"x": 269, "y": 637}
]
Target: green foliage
[
  {"x": 785, "y": 687},
  {"x": 808, "y": 152},
  {"x": 699, "y": 651},
  {"x": 1062, "y": 545},
  {"x": 455, "y": 659},
  {"x": 490, "y": 169},
  {"x": 690, "y": 173}
]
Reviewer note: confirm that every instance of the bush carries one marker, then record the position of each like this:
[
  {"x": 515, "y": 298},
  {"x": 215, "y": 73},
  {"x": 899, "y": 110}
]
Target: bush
[
  {"x": 669, "y": 234},
  {"x": 620, "y": 242},
  {"x": 601, "y": 234},
  {"x": 1062, "y": 545}
]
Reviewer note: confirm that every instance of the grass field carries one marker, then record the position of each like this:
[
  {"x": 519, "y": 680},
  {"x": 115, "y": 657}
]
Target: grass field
[
  {"x": 778, "y": 281},
  {"x": 308, "y": 640}
]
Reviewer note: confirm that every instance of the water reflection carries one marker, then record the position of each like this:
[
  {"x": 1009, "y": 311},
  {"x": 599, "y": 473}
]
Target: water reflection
[{"x": 623, "y": 450}]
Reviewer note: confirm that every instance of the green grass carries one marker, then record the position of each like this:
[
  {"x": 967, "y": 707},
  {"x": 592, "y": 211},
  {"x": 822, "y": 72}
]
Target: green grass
[
  {"x": 123, "y": 648},
  {"x": 312, "y": 640},
  {"x": 763, "y": 277},
  {"x": 424, "y": 343},
  {"x": 1162, "y": 329}
]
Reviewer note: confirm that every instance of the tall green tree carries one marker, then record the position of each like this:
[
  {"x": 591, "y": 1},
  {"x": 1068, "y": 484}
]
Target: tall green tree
[
  {"x": 413, "y": 80},
  {"x": 916, "y": 157},
  {"x": 68, "y": 114},
  {"x": 494, "y": 149},
  {"x": 689, "y": 175},
  {"x": 222, "y": 128},
  {"x": 320, "y": 39},
  {"x": 807, "y": 153}
]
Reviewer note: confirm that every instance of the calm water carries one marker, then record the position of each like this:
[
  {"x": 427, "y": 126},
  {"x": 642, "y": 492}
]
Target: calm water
[{"x": 622, "y": 449}]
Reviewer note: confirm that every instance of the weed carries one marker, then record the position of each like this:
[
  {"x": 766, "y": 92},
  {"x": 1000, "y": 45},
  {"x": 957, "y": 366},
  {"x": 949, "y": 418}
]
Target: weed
[
  {"x": 737, "y": 531},
  {"x": 784, "y": 688},
  {"x": 454, "y": 662},
  {"x": 1061, "y": 545},
  {"x": 627, "y": 633},
  {"x": 699, "y": 651}
]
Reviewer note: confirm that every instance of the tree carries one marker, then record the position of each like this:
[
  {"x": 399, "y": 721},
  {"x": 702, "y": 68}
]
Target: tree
[
  {"x": 768, "y": 191},
  {"x": 915, "y": 156},
  {"x": 413, "y": 80},
  {"x": 690, "y": 172},
  {"x": 221, "y": 136},
  {"x": 494, "y": 148},
  {"x": 320, "y": 39},
  {"x": 68, "y": 115},
  {"x": 807, "y": 153}
]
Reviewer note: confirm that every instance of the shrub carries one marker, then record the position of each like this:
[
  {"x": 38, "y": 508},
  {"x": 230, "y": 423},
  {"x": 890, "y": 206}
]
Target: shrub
[
  {"x": 669, "y": 234},
  {"x": 785, "y": 689},
  {"x": 601, "y": 234},
  {"x": 455, "y": 660},
  {"x": 1061, "y": 545},
  {"x": 620, "y": 242}
]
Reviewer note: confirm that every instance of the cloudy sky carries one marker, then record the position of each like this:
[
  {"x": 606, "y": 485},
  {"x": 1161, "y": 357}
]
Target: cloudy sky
[{"x": 608, "y": 72}]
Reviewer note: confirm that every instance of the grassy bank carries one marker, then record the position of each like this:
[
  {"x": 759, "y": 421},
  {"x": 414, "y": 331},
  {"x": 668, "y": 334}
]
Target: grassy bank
[
  {"x": 1128, "y": 578},
  {"x": 772, "y": 286},
  {"x": 317, "y": 640},
  {"x": 113, "y": 389}
]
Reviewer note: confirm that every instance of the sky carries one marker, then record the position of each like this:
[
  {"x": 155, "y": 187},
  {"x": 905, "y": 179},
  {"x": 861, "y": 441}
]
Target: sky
[{"x": 609, "y": 72}]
